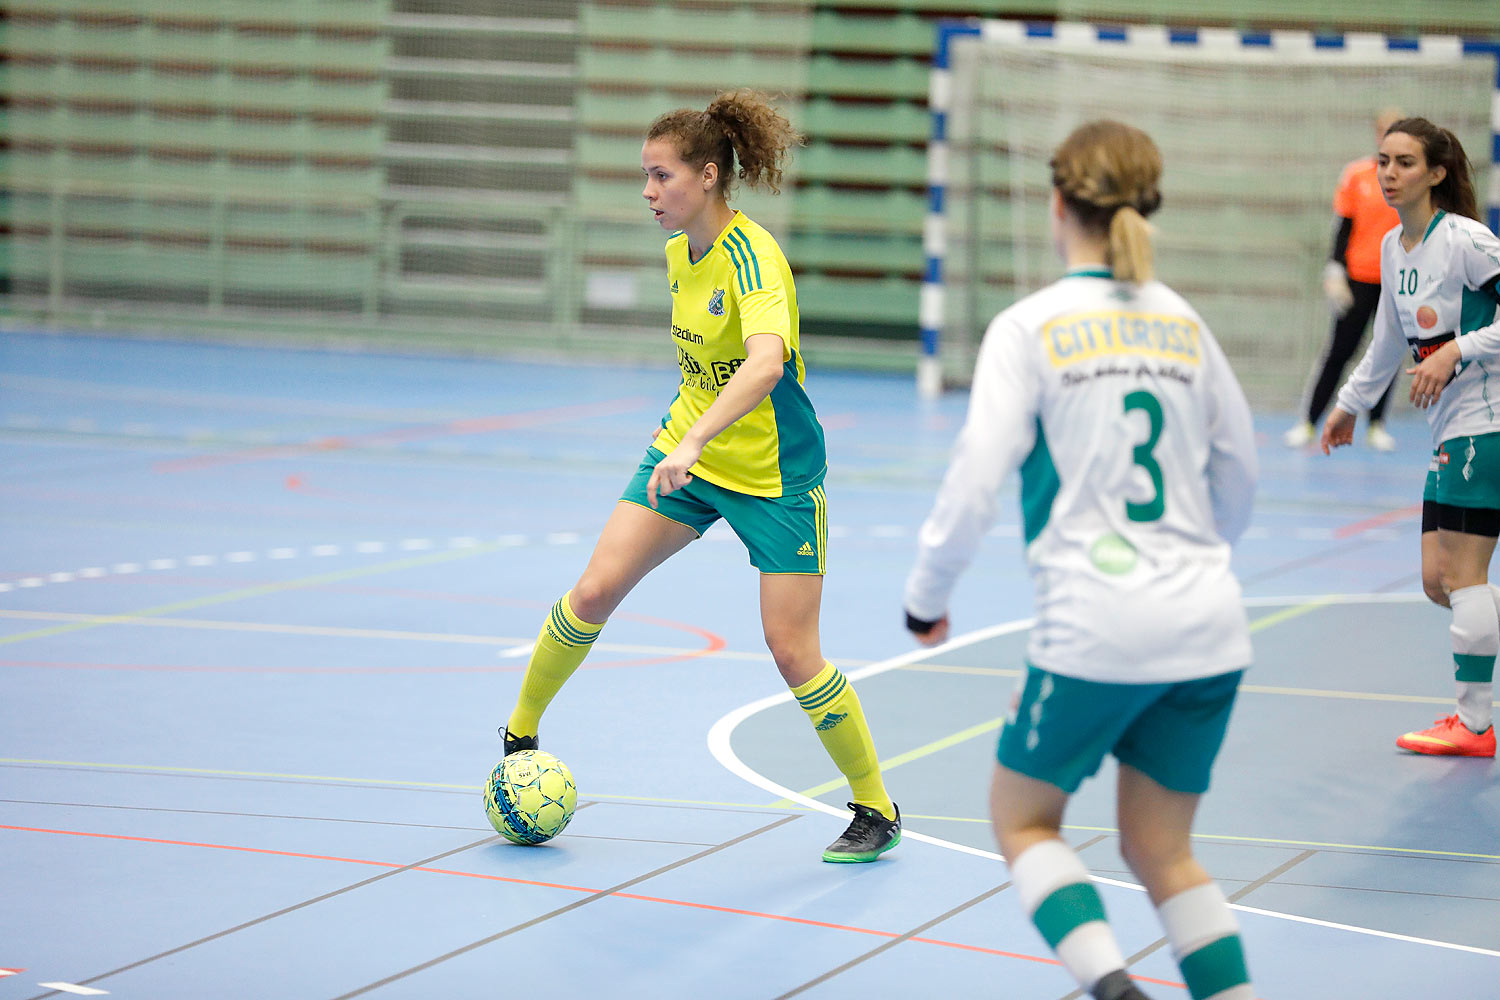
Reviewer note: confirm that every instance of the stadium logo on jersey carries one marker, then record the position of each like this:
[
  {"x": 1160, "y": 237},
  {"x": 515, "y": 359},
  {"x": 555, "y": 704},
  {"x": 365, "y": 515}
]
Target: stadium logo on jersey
[{"x": 716, "y": 303}]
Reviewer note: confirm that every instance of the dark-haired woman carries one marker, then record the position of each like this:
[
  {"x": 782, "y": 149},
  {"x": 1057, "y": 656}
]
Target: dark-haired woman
[
  {"x": 1438, "y": 276},
  {"x": 740, "y": 441}
]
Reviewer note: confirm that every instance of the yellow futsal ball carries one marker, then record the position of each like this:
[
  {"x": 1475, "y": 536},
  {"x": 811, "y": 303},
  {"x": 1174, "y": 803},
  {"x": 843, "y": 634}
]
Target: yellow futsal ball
[{"x": 530, "y": 797}]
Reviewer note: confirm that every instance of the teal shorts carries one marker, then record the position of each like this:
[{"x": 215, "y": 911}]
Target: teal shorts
[
  {"x": 1465, "y": 472},
  {"x": 1063, "y": 727},
  {"x": 782, "y": 534}
]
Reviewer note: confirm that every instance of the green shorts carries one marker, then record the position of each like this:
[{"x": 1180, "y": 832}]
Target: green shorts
[
  {"x": 1465, "y": 472},
  {"x": 1062, "y": 728},
  {"x": 782, "y": 534}
]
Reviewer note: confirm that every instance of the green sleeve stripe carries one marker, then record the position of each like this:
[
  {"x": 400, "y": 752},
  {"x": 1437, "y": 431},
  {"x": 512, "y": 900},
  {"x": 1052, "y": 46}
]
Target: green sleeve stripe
[
  {"x": 1068, "y": 909},
  {"x": 1215, "y": 968},
  {"x": 1040, "y": 484},
  {"x": 743, "y": 242},
  {"x": 1469, "y": 668},
  {"x": 736, "y": 255}
]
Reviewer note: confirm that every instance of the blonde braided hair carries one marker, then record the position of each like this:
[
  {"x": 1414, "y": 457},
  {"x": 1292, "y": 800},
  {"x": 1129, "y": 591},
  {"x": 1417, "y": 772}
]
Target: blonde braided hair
[{"x": 1108, "y": 175}]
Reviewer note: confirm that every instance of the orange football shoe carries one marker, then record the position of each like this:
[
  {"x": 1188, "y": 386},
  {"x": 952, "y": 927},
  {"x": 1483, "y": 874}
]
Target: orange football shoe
[{"x": 1450, "y": 738}]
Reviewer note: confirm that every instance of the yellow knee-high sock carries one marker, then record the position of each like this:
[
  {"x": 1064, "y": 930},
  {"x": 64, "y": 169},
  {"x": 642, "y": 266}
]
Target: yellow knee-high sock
[
  {"x": 564, "y": 641},
  {"x": 830, "y": 702}
]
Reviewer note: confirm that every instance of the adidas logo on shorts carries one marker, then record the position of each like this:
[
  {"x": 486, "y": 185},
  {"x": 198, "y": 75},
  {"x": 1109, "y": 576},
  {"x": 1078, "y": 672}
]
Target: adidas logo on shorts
[{"x": 806, "y": 550}]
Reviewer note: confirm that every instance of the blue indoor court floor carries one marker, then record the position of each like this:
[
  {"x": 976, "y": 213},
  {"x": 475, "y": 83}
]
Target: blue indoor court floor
[{"x": 261, "y": 611}]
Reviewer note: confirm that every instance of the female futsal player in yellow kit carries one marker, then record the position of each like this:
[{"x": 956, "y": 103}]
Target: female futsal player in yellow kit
[{"x": 740, "y": 441}]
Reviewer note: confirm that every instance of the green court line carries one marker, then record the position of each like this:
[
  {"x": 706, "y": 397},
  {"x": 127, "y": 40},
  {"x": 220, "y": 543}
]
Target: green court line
[
  {"x": 249, "y": 592},
  {"x": 386, "y": 782}
]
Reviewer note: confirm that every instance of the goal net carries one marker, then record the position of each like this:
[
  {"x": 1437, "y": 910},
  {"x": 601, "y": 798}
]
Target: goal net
[{"x": 1253, "y": 132}]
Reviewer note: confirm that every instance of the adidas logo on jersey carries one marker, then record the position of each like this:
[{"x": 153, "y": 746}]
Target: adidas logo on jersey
[
  {"x": 806, "y": 550},
  {"x": 830, "y": 720},
  {"x": 674, "y": 288}
]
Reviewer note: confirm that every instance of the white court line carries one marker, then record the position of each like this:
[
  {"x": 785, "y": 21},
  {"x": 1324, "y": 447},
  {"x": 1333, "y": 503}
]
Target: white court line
[
  {"x": 83, "y": 991},
  {"x": 719, "y": 745}
]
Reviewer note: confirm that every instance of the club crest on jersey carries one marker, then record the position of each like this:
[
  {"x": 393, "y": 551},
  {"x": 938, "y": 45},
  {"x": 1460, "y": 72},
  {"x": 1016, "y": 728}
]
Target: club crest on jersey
[{"x": 716, "y": 303}]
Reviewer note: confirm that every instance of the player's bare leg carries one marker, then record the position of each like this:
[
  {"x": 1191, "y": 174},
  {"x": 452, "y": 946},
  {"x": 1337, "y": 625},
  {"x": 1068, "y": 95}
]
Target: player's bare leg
[
  {"x": 635, "y": 540},
  {"x": 1055, "y": 887},
  {"x": 1156, "y": 825}
]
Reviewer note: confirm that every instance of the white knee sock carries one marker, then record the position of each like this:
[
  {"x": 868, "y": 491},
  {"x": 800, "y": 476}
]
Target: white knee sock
[
  {"x": 1205, "y": 939},
  {"x": 1476, "y": 640},
  {"x": 1061, "y": 900}
]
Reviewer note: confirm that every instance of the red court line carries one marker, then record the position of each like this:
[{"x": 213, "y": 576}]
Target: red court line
[
  {"x": 1378, "y": 521},
  {"x": 471, "y": 425},
  {"x": 573, "y": 888}
]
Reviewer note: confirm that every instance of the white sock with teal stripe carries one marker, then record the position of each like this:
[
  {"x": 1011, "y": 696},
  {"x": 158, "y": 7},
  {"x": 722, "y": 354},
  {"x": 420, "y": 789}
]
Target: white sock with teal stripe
[
  {"x": 1205, "y": 939},
  {"x": 1060, "y": 897},
  {"x": 1476, "y": 640}
]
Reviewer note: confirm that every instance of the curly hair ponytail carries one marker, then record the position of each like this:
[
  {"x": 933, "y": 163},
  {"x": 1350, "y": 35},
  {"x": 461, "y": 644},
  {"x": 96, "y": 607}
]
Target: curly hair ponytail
[{"x": 737, "y": 125}]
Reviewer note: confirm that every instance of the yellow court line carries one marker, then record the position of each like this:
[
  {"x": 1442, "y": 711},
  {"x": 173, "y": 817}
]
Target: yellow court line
[
  {"x": 1418, "y": 699},
  {"x": 1286, "y": 614},
  {"x": 245, "y": 593},
  {"x": 388, "y": 782},
  {"x": 905, "y": 758},
  {"x": 1277, "y": 841},
  {"x": 696, "y": 802}
]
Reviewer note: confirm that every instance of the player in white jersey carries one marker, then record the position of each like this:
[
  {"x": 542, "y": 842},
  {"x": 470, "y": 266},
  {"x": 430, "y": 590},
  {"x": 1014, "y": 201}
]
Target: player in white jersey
[
  {"x": 1137, "y": 461},
  {"x": 1439, "y": 272}
]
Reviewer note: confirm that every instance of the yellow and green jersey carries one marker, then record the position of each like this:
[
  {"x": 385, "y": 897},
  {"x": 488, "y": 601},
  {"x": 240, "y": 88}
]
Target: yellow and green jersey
[{"x": 741, "y": 287}]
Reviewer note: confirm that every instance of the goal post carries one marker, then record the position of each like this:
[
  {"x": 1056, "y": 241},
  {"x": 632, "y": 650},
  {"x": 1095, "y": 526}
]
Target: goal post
[{"x": 1254, "y": 127}]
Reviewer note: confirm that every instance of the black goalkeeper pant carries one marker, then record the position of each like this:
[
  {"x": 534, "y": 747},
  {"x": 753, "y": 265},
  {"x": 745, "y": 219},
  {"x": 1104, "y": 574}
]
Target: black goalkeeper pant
[{"x": 1343, "y": 341}]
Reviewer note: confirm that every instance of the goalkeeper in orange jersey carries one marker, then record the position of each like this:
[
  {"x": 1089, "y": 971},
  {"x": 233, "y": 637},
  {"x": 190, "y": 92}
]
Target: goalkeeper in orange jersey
[{"x": 1351, "y": 283}]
